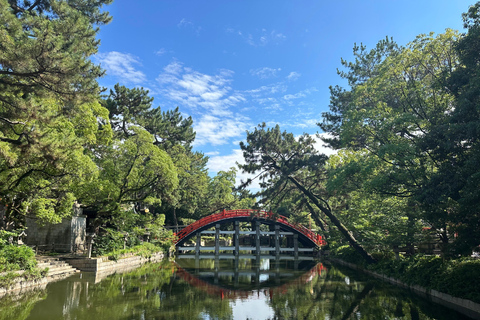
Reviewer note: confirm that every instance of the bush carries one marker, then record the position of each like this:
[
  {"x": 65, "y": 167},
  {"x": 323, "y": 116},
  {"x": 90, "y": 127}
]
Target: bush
[
  {"x": 349, "y": 254},
  {"x": 17, "y": 258},
  {"x": 5, "y": 236},
  {"x": 455, "y": 277},
  {"x": 460, "y": 278},
  {"x": 109, "y": 241}
]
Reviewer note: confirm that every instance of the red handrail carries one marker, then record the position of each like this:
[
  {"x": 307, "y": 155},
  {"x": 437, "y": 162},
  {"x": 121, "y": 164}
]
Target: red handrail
[{"x": 228, "y": 214}]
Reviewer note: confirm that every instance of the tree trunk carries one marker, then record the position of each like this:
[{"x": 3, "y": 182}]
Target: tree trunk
[
  {"x": 347, "y": 234},
  {"x": 175, "y": 219},
  {"x": 319, "y": 221}
]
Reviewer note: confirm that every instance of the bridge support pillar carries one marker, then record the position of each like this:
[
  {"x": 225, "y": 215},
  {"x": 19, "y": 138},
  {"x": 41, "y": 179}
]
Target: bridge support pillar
[
  {"x": 197, "y": 245},
  {"x": 217, "y": 239},
  {"x": 236, "y": 238},
  {"x": 277, "y": 241},
  {"x": 257, "y": 237},
  {"x": 217, "y": 251},
  {"x": 295, "y": 245}
]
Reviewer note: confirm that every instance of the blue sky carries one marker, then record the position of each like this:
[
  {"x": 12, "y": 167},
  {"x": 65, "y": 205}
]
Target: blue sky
[{"x": 234, "y": 64}]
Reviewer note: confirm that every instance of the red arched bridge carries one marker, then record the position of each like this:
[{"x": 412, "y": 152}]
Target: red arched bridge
[{"x": 306, "y": 236}]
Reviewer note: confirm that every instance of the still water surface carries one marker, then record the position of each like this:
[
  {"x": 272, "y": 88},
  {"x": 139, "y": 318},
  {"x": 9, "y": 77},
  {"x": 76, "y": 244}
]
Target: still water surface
[{"x": 224, "y": 289}]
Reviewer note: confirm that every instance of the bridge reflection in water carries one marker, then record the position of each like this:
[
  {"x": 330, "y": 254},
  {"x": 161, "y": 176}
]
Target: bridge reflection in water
[{"x": 247, "y": 275}]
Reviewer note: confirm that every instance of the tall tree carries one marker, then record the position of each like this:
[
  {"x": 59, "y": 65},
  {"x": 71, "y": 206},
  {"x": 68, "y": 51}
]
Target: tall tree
[
  {"x": 48, "y": 108},
  {"x": 455, "y": 143},
  {"x": 133, "y": 170},
  {"x": 281, "y": 158},
  {"x": 396, "y": 97},
  {"x": 134, "y": 107},
  {"x": 172, "y": 134}
]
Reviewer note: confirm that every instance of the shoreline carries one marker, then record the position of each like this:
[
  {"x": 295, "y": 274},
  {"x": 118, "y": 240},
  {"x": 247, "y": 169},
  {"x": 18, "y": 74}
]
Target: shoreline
[
  {"x": 464, "y": 306},
  {"x": 99, "y": 267}
]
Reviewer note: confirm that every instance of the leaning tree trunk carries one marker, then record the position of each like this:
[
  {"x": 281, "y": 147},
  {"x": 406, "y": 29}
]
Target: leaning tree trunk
[
  {"x": 319, "y": 221},
  {"x": 347, "y": 234}
]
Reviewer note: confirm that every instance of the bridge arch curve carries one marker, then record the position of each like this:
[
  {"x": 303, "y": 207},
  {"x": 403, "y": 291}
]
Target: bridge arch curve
[{"x": 306, "y": 236}]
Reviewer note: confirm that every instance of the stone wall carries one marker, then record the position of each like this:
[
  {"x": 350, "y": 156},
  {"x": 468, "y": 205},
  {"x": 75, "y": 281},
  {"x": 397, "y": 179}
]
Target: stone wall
[{"x": 67, "y": 236}]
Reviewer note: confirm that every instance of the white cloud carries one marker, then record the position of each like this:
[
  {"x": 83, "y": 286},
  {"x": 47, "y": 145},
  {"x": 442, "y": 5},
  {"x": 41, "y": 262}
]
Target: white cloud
[
  {"x": 265, "y": 73},
  {"x": 121, "y": 65},
  {"x": 218, "y": 130},
  {"x": 161, "y": 52},
  {"x": 210, "y": 99},
  {"x": 267, "y": 90},
  {"x": 261, "y": 37},
  {"x": 293, "y": 76},
  {"x": 186, "y": 24},
  {"x": 320, "y": 145},
  {"x": 193, "y": 89},
  {"x": 212, "y": 153},
  {"x": 224, "y": 163},
  {"x": 294, "y": 96}
]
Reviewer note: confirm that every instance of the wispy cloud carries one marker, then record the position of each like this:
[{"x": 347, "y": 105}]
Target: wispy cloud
[
  {"x": 293, "y": 76},
  {"x": 186, "y": 24},
  {"x": 294, "y": 96},
  {"x": 161, "y": 52},
  {"x": 193, "y": 89},
  {"x": 265, "y": 73},
  {"x": 210, "y": 99},
  {"x": 298, "y": 95},
  {"x": 122, "y": 65},
  {"x": 266, "y": 91},
  {"x": 259, "y": 38}
]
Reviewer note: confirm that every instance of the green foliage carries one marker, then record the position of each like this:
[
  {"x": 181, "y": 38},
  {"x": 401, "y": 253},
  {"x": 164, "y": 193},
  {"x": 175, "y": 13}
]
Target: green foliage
[
  {"x": 48, "y": 108},
  {"x": 286, "y": 163},
  {"x": 5, "y": 237},
  {"x": 145, "y": 250},
  {"x": 454, "y": 277},
  {"x": 108, "y": 241},
  {"x": 407, "y": 126},
  {"x": 14, "y": 258},
  {"x": 459, "y": 278}
]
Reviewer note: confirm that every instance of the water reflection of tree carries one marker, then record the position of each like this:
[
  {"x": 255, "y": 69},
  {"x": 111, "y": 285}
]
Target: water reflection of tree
[
  {"x": 333, "y": 295},
  {"x": 151, "y": 292},
  {"x": 18, "y": 307},
  {"x": 156, "y": 292}
]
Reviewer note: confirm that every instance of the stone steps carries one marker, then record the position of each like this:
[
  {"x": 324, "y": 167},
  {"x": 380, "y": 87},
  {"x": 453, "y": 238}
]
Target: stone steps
[{"x": 55, "y": 266}]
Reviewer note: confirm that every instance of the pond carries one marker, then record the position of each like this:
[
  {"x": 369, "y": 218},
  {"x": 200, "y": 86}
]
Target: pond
[{"x": 243, "y": 288}]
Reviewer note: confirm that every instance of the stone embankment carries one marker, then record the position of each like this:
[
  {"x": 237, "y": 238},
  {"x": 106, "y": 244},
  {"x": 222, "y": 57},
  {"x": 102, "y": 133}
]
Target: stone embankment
[
  {"x": 467, "y": 307},
  {"x": 56, "y": 270},
  {"x": 103, "y": 267},
  {"x": 62, "y": 267}
]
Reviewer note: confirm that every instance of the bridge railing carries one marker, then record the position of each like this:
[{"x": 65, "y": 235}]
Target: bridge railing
[{"x": 317, "y": 239}]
